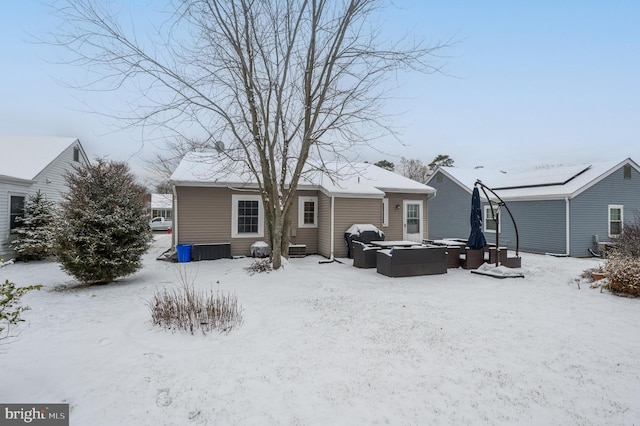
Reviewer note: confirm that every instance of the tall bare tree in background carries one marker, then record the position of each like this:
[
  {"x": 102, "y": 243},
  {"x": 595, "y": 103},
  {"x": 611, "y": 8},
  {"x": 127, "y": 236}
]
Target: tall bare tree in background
[
  {"x": 285, "y": 84},
  {"x": 415, "y": 169}
]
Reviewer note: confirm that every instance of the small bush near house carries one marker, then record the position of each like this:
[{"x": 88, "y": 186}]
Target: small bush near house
[
  {"x": 263, "y": 265},
  {"x": 36, "y": 233},
  {"x": 622, "y": 266},
  {"x": 191, "y": 310},
  {"x": 623, "y": 274},
  {"x": 10, "y": 308}
]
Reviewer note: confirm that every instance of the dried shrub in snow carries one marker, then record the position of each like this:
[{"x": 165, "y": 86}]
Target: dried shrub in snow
[
  {"x": 623, "y": 274},
  {"x": 587, "y": 274},
  {"x": 258, "y": 266},
  {"x": 190, "y": 309},
  {"x": 627, "y": 244},
  {"x": 10, "y": 308}
]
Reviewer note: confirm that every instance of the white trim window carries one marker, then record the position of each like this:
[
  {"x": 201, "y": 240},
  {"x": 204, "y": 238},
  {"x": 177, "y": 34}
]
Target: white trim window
[
  {"x": 616, "y": 220},
  {"x": 247, "y": 216},
  {"x": 489, "y": 222},
  {"x": 16, "y": 210},
  {"x": 385, "y": 212},
  {"x": 307, "y": 212}
]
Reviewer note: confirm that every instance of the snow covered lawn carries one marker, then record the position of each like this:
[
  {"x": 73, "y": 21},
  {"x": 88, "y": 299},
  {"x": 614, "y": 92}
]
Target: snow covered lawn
[{"x": 327, "y": 344}]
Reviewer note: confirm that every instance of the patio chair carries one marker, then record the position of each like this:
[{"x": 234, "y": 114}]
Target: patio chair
[
  {"x": 364, "y": 255},
  {"x": 472, "y": 259}
]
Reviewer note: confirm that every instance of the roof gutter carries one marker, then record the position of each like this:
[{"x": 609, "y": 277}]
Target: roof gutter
[
  {"x": 332, "y": 226},
  {"x": 12, "y": 179}
]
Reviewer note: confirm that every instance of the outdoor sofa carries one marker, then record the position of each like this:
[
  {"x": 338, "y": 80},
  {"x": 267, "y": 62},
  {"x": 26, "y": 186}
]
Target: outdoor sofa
[{"x": 412, "y": 261}]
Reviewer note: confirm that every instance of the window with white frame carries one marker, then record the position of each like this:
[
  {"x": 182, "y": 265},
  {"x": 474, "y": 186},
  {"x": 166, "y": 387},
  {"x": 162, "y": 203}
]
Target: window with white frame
[
  {"x": 385, "y": 212},
  {"x": 247, "y": 216},
  {"x": 616, "y": 218},
  {"x": 16, "y": 211},
  {"x": 307, "y": 212},
  {"x": 489, "y": 220}
]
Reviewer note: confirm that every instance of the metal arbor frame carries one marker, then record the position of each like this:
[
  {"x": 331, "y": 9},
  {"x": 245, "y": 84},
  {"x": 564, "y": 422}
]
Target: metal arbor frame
[{"x": 501, "y": 203}]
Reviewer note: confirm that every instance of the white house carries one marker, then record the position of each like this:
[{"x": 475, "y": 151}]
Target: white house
[
  {"x": 29, "y": 164},
  {"x": 162, "y": 205}
]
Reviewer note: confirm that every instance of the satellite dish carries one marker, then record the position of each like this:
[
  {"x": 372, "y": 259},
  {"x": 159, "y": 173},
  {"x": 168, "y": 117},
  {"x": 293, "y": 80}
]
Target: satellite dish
[{"x": 219, "y": 145}]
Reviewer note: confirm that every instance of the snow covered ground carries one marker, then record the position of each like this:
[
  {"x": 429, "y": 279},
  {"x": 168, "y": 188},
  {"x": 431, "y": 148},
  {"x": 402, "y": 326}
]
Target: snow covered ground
[{"x": 330, "y": 344}]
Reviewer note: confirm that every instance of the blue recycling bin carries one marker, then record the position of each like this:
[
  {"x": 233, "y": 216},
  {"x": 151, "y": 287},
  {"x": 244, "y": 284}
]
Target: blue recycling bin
[{"x": 184, "y": 252}]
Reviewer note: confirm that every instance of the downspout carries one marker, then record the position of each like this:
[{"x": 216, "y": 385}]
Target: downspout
[
  {"x": 426, "y": 207},
  {"x": 332, "y": 226},
  {"x": 174, "y": 225},
  {"x": 568, "y": 230}
]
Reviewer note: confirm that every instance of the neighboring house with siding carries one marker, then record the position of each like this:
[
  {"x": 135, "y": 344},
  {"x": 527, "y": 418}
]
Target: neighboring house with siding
[
  {"x": 162, "y": 206},
  {"x": 220, "y": 206},
  {"x": 29, "y": 164},
  {"x": 562, "y": 210}
]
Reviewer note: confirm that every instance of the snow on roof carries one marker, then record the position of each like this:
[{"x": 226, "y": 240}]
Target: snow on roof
[
  {"x": 554, "y": 182},
  {"x": 161, "y": 201},
  {"x": 355, "y": 180},
  {"x": 23, "y": 157},
  {"x": 205, "y": 168}
]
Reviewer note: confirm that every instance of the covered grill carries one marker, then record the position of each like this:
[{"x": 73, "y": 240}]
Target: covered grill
[{"x": 361, "y": 232}]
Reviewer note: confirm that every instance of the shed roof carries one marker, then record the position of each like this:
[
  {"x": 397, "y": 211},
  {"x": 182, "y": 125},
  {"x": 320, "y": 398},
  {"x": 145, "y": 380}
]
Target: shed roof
[
  {"x": 24, "y": 157},
  {"x": 354, "y": 180},
  {"x": 545, "y": 183}
]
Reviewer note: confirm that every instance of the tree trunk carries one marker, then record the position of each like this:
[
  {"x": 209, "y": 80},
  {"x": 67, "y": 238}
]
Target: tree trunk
[
  {"x": 276, "y": 239},
  {"x": 284, "y": 242}
]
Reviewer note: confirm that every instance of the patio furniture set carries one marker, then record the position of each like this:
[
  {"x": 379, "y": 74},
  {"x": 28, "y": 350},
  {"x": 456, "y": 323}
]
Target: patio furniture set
[{"x": 409, "y": 258}]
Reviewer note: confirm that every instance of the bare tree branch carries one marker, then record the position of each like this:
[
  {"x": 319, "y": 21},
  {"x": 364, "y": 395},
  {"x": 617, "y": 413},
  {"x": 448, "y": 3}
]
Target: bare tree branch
[{"x": 283, "y": 83}]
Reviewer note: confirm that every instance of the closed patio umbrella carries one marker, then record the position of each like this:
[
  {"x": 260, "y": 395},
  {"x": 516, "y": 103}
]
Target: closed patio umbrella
[{"x": 476, "y": 239}]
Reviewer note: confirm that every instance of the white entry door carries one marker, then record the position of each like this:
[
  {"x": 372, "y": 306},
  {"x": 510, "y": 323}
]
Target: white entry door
[{"x": 412, "y": 220}]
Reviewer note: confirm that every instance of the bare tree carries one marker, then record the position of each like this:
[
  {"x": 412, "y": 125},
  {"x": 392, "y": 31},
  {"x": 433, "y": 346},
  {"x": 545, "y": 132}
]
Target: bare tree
[
  {"x": 164, "y": 163},
  {"x": 286, "y": 84},
  {"x": 414, "y": 169}
]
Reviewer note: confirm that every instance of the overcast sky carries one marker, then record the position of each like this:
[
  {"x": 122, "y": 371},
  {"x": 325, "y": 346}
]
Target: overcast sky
[{"x": 527, "y": 84}]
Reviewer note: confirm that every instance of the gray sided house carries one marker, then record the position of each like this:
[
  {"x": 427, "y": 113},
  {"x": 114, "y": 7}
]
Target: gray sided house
[
  {"x": 560, "y": 210},
  {"x": 217, "y": 207},
  {"x": 29, "y": 164}
]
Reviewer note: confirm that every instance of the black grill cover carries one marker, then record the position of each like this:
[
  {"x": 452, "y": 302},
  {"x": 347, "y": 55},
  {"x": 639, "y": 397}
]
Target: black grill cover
[{"x": 361, "y": 232}]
